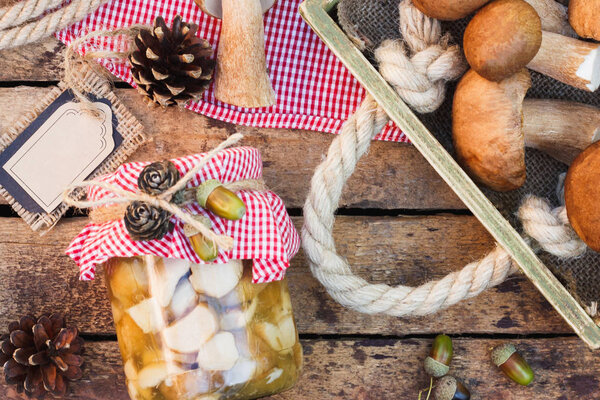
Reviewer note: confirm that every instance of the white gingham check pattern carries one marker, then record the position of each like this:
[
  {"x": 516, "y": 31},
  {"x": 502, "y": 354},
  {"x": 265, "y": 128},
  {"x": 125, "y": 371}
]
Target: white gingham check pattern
[
  {"x": 265, "y": 234},
  {"x": 314, "y": 90}
]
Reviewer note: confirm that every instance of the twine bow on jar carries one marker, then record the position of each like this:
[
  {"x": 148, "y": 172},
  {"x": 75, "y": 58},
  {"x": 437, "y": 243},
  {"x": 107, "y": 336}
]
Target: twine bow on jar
[{"x": 160, "y": 198}]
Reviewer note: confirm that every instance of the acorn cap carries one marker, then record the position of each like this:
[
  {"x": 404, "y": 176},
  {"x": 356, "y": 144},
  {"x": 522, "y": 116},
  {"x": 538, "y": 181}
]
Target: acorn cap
[
  {"x": 581, "y": 196},
  {"x": 487, "y": 129},
  {"x": 435, "y": 368},
  {"x": 189, "y": 230},
  {"x": 502, "y": 38},
  {"x": 205, "y": 189},
  {"x": 502, "y": 353},
  {"x": 445, "y": 388}
]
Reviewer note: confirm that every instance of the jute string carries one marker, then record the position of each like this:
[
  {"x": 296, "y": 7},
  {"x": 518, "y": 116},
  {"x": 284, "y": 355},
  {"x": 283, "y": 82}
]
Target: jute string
[
  {"x": 420, "y": 84},
  {"x": 124, "y": 197},
  {"x": 74, "y": 62},
  {"x": 23, "y": 23}
]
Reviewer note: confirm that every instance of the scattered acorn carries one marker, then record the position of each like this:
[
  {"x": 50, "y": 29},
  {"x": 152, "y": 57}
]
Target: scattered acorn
[
  {"x": 221, "y": 201},
  {"x": 512, "y": 364},
  {"x": 449, "y": 388},
  {"x": 204, "y": 248},
  {"x": 437, "y": 364}
]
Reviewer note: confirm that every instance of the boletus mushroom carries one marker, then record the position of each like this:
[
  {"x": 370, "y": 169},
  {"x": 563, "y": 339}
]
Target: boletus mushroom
[
  {"x": 448, "y": 10},
  {"x": 492, "y": 124},
  {"x": 554, "y": 16},
  {"x": 507, "y": 35},
  {"x": 502, "y": 38},
  {"x": 241, "y": 76},
  {"x": 582, "y": 191},
  {"x": 568, "y": 60},
  {"x": 584, "y": 16}
]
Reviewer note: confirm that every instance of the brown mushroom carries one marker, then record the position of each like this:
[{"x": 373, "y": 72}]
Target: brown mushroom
[
  {"x": 241, "y": 77},
  {"x": 571, "y": 61},
  {"x": 584, "y": 16},
  {"x": 582, "y": 191},
  {"x": 448, "y": 10},
  {"x": 492, "y": 124},
  {"x": 502, "y": 38},
  {"x": 554, "y": 16},
  {"x": 506, "y": 35}
]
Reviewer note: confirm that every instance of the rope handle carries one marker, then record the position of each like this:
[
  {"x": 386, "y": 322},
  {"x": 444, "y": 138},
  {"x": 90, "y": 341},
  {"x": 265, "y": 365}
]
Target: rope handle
[
  {"x": 423, "y": 90},
  {"x": 25, "y": 22}
]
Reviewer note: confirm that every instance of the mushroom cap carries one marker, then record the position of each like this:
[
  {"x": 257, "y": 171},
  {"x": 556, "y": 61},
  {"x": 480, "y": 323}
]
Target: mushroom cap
[
  {"x": 487, "y": 129},
  {"x": 448, "y": 10},
  {"x": 213, "y": 7},
  {"x": 582, "y": 191},
  {"x": 502, "y": 38},
  {"x": 584, "y": 17}
]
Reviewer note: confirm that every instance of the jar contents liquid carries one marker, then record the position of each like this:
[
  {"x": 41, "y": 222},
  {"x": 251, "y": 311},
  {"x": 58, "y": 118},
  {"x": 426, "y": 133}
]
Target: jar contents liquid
[{"x": 190, "y": 331}]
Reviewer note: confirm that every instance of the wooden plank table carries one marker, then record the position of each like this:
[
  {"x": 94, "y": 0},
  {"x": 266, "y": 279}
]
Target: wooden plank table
[{"x": 399, "y": 223}]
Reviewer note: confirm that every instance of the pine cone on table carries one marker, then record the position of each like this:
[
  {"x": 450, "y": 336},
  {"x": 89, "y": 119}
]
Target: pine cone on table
[
  {"x": 40, "y": 356},
  {"x": 171, "y": 66}
]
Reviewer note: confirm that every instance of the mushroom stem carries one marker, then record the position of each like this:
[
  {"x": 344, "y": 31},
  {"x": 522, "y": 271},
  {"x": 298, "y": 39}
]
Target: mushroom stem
[
  {"x": 562, "y": 129},
  {"x": 241, "y": 77},
  {"x": 569, "y": 60},
  {"x": 554, "y": 16}
]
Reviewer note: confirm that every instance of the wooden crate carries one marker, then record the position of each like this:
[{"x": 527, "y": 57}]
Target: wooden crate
[{"x": 316, "y": 14}]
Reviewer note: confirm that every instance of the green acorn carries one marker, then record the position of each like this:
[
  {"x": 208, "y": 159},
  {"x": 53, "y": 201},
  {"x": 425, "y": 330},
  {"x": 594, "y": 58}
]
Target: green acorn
[
  {"x": 438, "y": 362},
  {"x": 221, "y": 201},
  {"x": 448, "y": 388},
  {"x": 206, "y": 249},
  {"x": 512, "y": 364}
]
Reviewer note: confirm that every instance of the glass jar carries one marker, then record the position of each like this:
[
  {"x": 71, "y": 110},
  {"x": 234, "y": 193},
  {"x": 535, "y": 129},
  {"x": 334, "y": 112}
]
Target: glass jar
[{"x": 201, "y": 331}]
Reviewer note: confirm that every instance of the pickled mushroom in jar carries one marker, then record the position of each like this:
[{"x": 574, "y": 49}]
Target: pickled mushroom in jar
[
  {"x": 128, "y": 280},
  {"x": 164, "y": 275},
  {"x": 147, "y": 315},
  {"x": 219, "y": 336},
  {"x": 190, "y": 332},
  {"x": 219, "y": 353}
]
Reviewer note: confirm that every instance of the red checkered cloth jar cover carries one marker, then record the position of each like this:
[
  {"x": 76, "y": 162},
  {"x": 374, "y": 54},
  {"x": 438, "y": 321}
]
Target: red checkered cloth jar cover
[
  {"x": 314, "y": 90},
  {"x": 265, "y": 234}
]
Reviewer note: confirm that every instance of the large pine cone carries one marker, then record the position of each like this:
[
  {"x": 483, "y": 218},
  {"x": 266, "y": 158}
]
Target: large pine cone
[
  {"x": 171, "y": 66},
  {"x": 146, "y": 222},
  {"x": 40, "y": 356}
]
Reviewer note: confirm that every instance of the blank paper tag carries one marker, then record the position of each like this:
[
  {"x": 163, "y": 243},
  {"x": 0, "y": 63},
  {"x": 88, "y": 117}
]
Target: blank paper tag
[{"x": 63, "y": 146}]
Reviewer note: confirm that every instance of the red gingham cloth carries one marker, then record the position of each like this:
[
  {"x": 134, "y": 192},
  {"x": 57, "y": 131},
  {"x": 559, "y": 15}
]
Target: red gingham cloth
[
  {"x": 314, "y": 90},
  {"x": 265, "y": 234}
]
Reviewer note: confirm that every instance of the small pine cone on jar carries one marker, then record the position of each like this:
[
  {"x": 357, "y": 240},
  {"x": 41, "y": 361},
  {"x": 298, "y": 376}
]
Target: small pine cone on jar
[
  {"x": 158, "y": 177},
  {"x": 171, "y": 66},
  {"x": 41, "y": 355},
  {"x": 146, "y": 222}
]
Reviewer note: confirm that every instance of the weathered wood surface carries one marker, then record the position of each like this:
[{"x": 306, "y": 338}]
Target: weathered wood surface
[
  {"x": 391, "y": 176},
  {"x": 35, "y": 275},
  {"x": 388, "y": 369},
  {"x": 34, "y": 62}
]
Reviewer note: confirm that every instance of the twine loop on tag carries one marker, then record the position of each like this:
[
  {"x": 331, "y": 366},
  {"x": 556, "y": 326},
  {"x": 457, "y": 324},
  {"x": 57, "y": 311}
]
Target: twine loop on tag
[
  {"x": 74, "y": 62},
  {"x": 163, "y": 200}
]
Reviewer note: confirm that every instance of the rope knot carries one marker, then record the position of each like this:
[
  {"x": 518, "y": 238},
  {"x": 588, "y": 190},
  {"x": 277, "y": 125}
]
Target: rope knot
[
  {"x": 419, "y": 65},
  {"x": 550, "y": 228}
]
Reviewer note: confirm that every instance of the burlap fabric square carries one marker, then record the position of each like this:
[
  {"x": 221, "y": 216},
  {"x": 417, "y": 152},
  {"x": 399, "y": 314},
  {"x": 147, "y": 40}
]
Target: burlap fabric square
[{"x": 128, "y": 127}]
